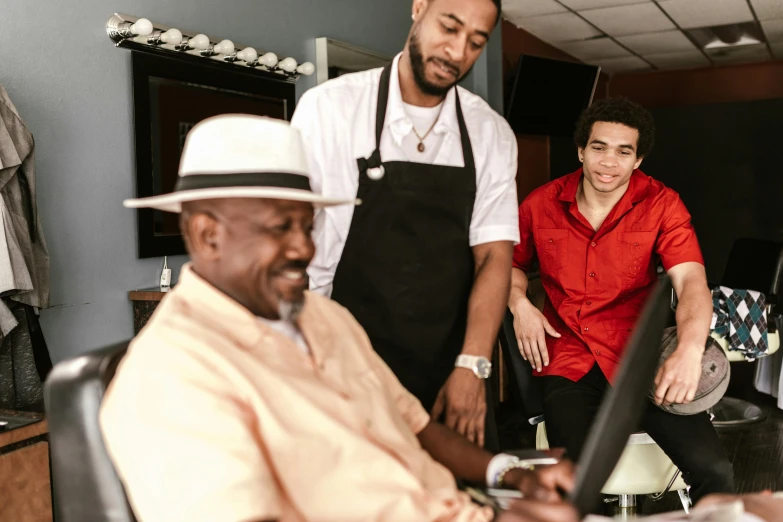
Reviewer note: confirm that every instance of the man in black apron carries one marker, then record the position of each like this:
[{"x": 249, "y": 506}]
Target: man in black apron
[{"x": 426, "y": 285}]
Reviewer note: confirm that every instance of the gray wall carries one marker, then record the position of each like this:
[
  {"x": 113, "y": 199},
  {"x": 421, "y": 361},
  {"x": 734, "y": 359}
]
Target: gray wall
[{"x": 73, "y": 89}]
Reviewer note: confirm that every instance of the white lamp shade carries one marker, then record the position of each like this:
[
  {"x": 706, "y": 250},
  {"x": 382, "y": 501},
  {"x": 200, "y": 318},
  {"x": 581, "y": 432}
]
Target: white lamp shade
[
  {"x": 306, "y": 69},
  {"x": 269, "y": 59},
  {"x": 172, "y": 37},
  {"x": 248, "y": 54},
  {"x": 224, "y": 47},
  {"x": 142, "y": 27},
  {"x": 200, "y": 42}
]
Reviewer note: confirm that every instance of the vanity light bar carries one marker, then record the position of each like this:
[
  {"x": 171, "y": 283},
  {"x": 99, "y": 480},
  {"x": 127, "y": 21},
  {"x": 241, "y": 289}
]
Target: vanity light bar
[{"x": 142, "y": 35}]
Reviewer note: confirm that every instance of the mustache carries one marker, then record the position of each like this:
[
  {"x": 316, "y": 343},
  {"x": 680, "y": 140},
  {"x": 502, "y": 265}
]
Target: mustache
[
  {"x": 293, "y": 265},
  {"x": 447, "y": 65}
]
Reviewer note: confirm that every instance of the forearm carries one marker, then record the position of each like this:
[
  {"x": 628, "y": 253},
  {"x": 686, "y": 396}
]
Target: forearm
[
  {"x": 488, "y": 299},
  {"x": 694, "y": 314},
  {"x": 464, "y": 459},
  {"x": 519, "y": 283}
]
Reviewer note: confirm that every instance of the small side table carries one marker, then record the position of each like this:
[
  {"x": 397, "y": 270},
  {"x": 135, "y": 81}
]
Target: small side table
[{"x": 145, "y": 301}]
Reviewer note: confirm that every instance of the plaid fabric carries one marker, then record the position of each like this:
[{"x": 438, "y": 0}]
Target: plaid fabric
[{"x": 741, "y": 317}]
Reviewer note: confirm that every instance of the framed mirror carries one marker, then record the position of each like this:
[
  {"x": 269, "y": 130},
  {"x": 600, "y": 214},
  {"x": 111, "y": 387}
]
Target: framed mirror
[
  {"x": 170, "y": 97},
  {"x": 334, "y": 58}
]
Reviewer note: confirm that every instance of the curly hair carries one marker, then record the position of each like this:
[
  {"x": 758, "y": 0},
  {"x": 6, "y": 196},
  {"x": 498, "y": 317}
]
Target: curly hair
[{"x": 617, "y": 110}]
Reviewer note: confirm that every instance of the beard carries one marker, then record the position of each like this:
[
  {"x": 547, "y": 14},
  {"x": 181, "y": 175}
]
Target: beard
[
  {"x": 290, "y": 310},
  {"x": 419, "y": 73}
]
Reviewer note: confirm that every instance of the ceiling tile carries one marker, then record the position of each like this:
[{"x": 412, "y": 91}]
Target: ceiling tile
[
  {"x": 743, "y": 54},
  {"x": 688, "y": 59},
  {"x": 777, "y": 50},
  {"x": 559, "y": 27},
  {"x": 627, "y": 64},
  {"x": 516, "y": 9},
  {"x": 629, "y": 19},
  {"x": 773, "y": 30},
  {"x": 597, "y": 49},
  {"x": 664, "y": 42},
  {"x": 576, "y": 5},
  {"x": 707, "y": 13},
  {"x": 768, "y": 9}
]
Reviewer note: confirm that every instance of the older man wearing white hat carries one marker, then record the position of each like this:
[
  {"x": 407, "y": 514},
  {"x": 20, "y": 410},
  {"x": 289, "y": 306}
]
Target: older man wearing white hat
[{"x": 247, "y": 399}]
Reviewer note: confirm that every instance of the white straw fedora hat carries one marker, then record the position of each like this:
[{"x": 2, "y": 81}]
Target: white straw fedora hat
[{"x": 240, "y": 156}]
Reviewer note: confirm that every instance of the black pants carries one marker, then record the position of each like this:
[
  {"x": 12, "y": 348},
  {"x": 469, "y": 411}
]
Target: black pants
[{"x": 690, "y": 441}]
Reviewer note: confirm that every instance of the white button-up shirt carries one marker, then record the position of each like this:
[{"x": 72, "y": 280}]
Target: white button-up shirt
[{"x": 337, "y": 122}]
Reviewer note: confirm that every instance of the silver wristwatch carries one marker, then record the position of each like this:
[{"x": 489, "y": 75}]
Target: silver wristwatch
[{"x": 481, "y": 366}]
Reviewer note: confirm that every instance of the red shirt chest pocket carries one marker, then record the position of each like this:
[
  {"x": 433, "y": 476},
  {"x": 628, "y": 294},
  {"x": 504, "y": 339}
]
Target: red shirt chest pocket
[
  {"x": 551, "y": 248},
  {"x": 637, "y": 250}
]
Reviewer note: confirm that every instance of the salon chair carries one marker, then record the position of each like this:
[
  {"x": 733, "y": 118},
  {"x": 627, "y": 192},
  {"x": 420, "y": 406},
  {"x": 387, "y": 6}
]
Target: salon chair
[
  {"x": 643, "y": 469},
  {"x": 86, "y": 486},
  {"x": 754, "y": 264}
]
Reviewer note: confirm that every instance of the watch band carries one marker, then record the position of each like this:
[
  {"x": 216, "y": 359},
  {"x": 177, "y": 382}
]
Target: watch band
[
  {"x": 466, "y": 361},
  {"x": 480, "y": 366}
]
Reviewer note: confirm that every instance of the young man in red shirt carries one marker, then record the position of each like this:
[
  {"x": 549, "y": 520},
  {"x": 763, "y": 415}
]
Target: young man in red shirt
[{"x": 598, "y": 235}]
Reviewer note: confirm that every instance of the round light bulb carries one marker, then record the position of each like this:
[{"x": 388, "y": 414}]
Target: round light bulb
[
  {"x": 306, "y": 69},
  {"x": 224, "y": 47},
  {"x": 288, "y": 65},
  {"x": 172, "y": 37},
  {"x": 200, "y": 42},
  {"x": 269, "y": 59},
  {"x": 142, "y": 27},
  {"x": 248, "y": 54}
]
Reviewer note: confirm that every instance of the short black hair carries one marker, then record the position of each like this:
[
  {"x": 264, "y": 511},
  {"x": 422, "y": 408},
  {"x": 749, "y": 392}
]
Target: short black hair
[
  {"x": 617, "y": 110},
  {"x": 500, "y": 10}
]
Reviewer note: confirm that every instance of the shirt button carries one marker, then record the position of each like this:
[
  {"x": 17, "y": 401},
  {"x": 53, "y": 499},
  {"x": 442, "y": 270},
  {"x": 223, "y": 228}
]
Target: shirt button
[
  {"x": 587, "y": 329},
  {"x": 598, "y": 352},
  {"x": 592, "y": 274},
  {"x": 636, "y": 244},
  {"x": 592, "y": 244},
  {"x": 368, "y": 423},
  {"x": 551, "y": 240},
  {"x": 588, "y": 303}
]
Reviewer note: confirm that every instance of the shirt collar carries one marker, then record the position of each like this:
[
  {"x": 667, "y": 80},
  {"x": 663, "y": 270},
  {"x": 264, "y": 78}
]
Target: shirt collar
[
  {"x": 637, "y": 187},
  {"x": 398, "y": 120},
  {"x": 234, "y": 321},
  {"x": 218, "y": 309}
]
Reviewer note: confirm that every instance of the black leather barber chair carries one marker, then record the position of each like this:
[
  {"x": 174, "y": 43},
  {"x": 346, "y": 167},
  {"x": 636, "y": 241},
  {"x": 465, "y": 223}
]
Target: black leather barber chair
[{"x": 86, "y": 486}]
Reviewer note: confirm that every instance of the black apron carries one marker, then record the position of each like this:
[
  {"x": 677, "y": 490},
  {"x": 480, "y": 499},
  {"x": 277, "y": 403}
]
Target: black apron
[{"x": 407, "y": 268}]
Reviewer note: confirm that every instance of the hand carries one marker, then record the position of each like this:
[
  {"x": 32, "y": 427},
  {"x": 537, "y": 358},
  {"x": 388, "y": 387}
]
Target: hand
[
  {"x": 678, "y": 378},
  {"x": 463, "y": 398},
  {"x": 530, "y": 328},
  {"x": 536, "y": 511},
  {"x": 763, "y": 504},
  {"x": 544, "y": 483}
]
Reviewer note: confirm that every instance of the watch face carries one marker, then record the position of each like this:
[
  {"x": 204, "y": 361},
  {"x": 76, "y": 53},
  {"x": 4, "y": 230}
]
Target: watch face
[{"x": 483, "y": 368}]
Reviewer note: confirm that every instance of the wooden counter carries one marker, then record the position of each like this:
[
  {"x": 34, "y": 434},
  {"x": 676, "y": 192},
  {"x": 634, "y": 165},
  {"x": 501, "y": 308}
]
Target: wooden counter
[
  {"x": 25, "y": 483},
  {"x": 145, "y": 301}
]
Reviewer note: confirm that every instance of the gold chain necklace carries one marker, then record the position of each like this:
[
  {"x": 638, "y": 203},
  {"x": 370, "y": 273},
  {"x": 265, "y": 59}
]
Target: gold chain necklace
[{"x": 420, "y": 146}]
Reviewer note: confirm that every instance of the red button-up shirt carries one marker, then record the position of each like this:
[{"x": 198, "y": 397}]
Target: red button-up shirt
[{"x": 596, "y": 283}]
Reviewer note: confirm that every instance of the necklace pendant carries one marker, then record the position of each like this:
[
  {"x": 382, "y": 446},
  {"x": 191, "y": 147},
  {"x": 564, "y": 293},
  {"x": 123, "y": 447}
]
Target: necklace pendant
[{"x": 420, "y": 147}]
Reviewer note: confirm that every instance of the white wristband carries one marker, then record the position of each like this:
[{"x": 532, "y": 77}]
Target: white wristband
[{"x": 498, "y": 463}]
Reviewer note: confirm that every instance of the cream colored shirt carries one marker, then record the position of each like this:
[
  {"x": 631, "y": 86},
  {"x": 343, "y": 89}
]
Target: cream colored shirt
[{"x": 213, "y": 416}]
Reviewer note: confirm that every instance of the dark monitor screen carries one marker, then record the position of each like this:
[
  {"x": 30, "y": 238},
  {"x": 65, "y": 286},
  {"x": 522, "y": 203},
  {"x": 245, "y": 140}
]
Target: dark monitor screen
[
  {"x": 547, "y": 96},
  {"x": 624, "y": 403}
]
